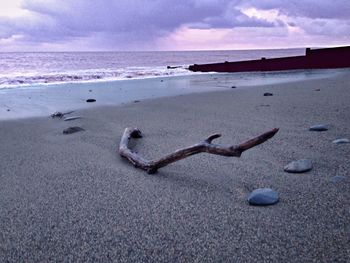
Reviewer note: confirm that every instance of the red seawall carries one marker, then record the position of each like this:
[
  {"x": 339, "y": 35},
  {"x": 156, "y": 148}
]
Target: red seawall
[{"x": 338, "y": 57}]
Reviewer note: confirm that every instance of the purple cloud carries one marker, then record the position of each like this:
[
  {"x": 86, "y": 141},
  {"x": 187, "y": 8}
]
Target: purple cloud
[{"x": 137, "y": 24}]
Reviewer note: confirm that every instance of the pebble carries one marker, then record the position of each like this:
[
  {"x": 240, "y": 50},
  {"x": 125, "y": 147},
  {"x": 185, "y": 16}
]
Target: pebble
[
  {"x": 263, "y": 196},
  {"x": 72, "y": 118},
  {"x": 71, "y": 130},
  {"x": 319, "y": 127},
  {"x": 57, "y": 114},
  {"x": 90, "y": 100},
  {"x": 233, "y": 87},
  {"x": 299, "y": 166},
  {"x": 338, "y": 178},
  {"x": 340, "y": 141},
  {"x": 268, "y": 94}
]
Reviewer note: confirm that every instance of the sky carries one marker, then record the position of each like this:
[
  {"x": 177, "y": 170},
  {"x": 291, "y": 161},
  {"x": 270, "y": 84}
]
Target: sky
[{"x": 147, "y": 25}]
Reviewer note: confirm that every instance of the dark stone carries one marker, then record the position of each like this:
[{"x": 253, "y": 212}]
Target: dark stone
[
  {"x": 8, "y": 109},
  {"x": 338, "y": 178},
  {"x": 317, "y": 89},
  {"x": 136, "y": 101},
  {"x": 57, "y": 114},
  {"x": 299, "y": 166},
  {"x": 161, "y": 80},
  {"x": 90, "y": 100},
  {"x": 319, "y": 127},
  {"x": 90, "y": 90},
  {"x": 263, "y": 197},
  {"x": 71, "y": 130},
  {"x": 233, "y": 87},
  {"x": 268, "y": 94}
]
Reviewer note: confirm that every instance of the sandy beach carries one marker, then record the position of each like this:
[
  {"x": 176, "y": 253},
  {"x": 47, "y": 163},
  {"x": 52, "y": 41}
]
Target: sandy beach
[{"x": 72, "y": 198}]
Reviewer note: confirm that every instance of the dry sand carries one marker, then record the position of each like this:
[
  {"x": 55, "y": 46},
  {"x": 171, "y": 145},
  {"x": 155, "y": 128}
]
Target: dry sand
[{"x": 72, "y": 198}]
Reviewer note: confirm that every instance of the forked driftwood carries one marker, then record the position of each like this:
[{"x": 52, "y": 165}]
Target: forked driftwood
[{"x": 205, "y": 146}]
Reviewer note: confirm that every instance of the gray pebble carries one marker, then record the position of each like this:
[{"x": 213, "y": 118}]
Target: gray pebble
[
  {"x": 319, "y": 127},
  {"x": 338, "y": 178},
  {"x": 299, "y": 166},
  {"x": 72, "y": 118},
  {"x": 342, "y": 140},
  {"x": 263, "y": 196},
  {"x": 71, "y": 130}
]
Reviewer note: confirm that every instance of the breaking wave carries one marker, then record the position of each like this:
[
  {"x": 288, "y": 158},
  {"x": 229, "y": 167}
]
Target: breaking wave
[{"x": 35, "y": 78}]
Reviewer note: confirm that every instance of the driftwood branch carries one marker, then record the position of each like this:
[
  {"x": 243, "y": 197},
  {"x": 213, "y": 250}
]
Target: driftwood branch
[{"x": 205, "y": 146}]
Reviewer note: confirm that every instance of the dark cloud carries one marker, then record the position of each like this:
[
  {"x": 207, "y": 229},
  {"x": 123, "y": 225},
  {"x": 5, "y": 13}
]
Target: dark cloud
[{"x": 123, "y": 22}]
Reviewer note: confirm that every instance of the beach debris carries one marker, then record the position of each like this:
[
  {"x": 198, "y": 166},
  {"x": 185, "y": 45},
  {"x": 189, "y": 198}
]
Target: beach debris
[
  {"x": 90, "y": 90},
  {"x": 299, "y": 166},
  {"x": 317, "y": 89},
  {"x": 206, "y": 146},
  {"x": 72, "y": 118},
  {"x": 59, "y": 114},
  {"x": 8, "y": 110},
  {"x": 136, "y": 101},
  {"x": 263, "y": 197},
  {"x": 341, "y": 141},
  {"x": 233, "y": 87},
  {"x": 338, "y": 178},
  {"x": 319, "y": 127},
  {"x": 268, "y": 94},
  {"x": 173, "y": 67},
  {"x": 71, "y": 130},
  {"x": 90, "y": 100}
]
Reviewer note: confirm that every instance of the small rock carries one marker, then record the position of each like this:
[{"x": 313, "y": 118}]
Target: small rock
[
  {"x": 136, "y": 101},
  {"x": 57, "y": 114},
  {"x": 161, "y": 80},
  {"x": 317, "y": 89},
  {"x": 299, "y": 166},
  {"x": 60, "y": 115},
  {"x": 71, "y": 130},
  {"x": 90, "y": 90},
  {"x": 263, "y": 197},
  {"x": 338, "y": 178},
  {"x": 319, "y": 127},
  {"x": 268, "y": 94},
  {"x": 233, "y": 87},
  {"x": 8, "y": 109},
  {"x": 90, "y": 100},
  {"x": 341, "y": 141},
  {"x": 72, "y": 118}
]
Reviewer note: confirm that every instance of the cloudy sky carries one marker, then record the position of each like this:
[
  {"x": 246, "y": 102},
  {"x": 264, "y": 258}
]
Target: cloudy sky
[{"x": 86, "y": 25}]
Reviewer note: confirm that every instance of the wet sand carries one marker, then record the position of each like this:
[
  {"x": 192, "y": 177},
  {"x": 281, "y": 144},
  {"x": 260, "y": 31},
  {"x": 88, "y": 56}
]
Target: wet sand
[{"x": 72, "y": 198}]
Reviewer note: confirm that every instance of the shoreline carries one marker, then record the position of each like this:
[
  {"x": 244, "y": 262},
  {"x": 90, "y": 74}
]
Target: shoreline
[
  {"x": 41, "y": 100},
  {"x": 72, "y": 198}
]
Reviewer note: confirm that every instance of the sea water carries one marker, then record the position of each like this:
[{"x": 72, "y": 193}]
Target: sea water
[
  {"x": 38, "y": 84},
  {"x": 21, "y": 69}
]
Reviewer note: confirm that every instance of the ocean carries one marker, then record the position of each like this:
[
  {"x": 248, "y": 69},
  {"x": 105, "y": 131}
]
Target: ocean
[{"x": 22, "y": 69}]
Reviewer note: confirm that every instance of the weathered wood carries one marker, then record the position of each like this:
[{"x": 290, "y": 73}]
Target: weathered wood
[{"x": 151, "y": 166}]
